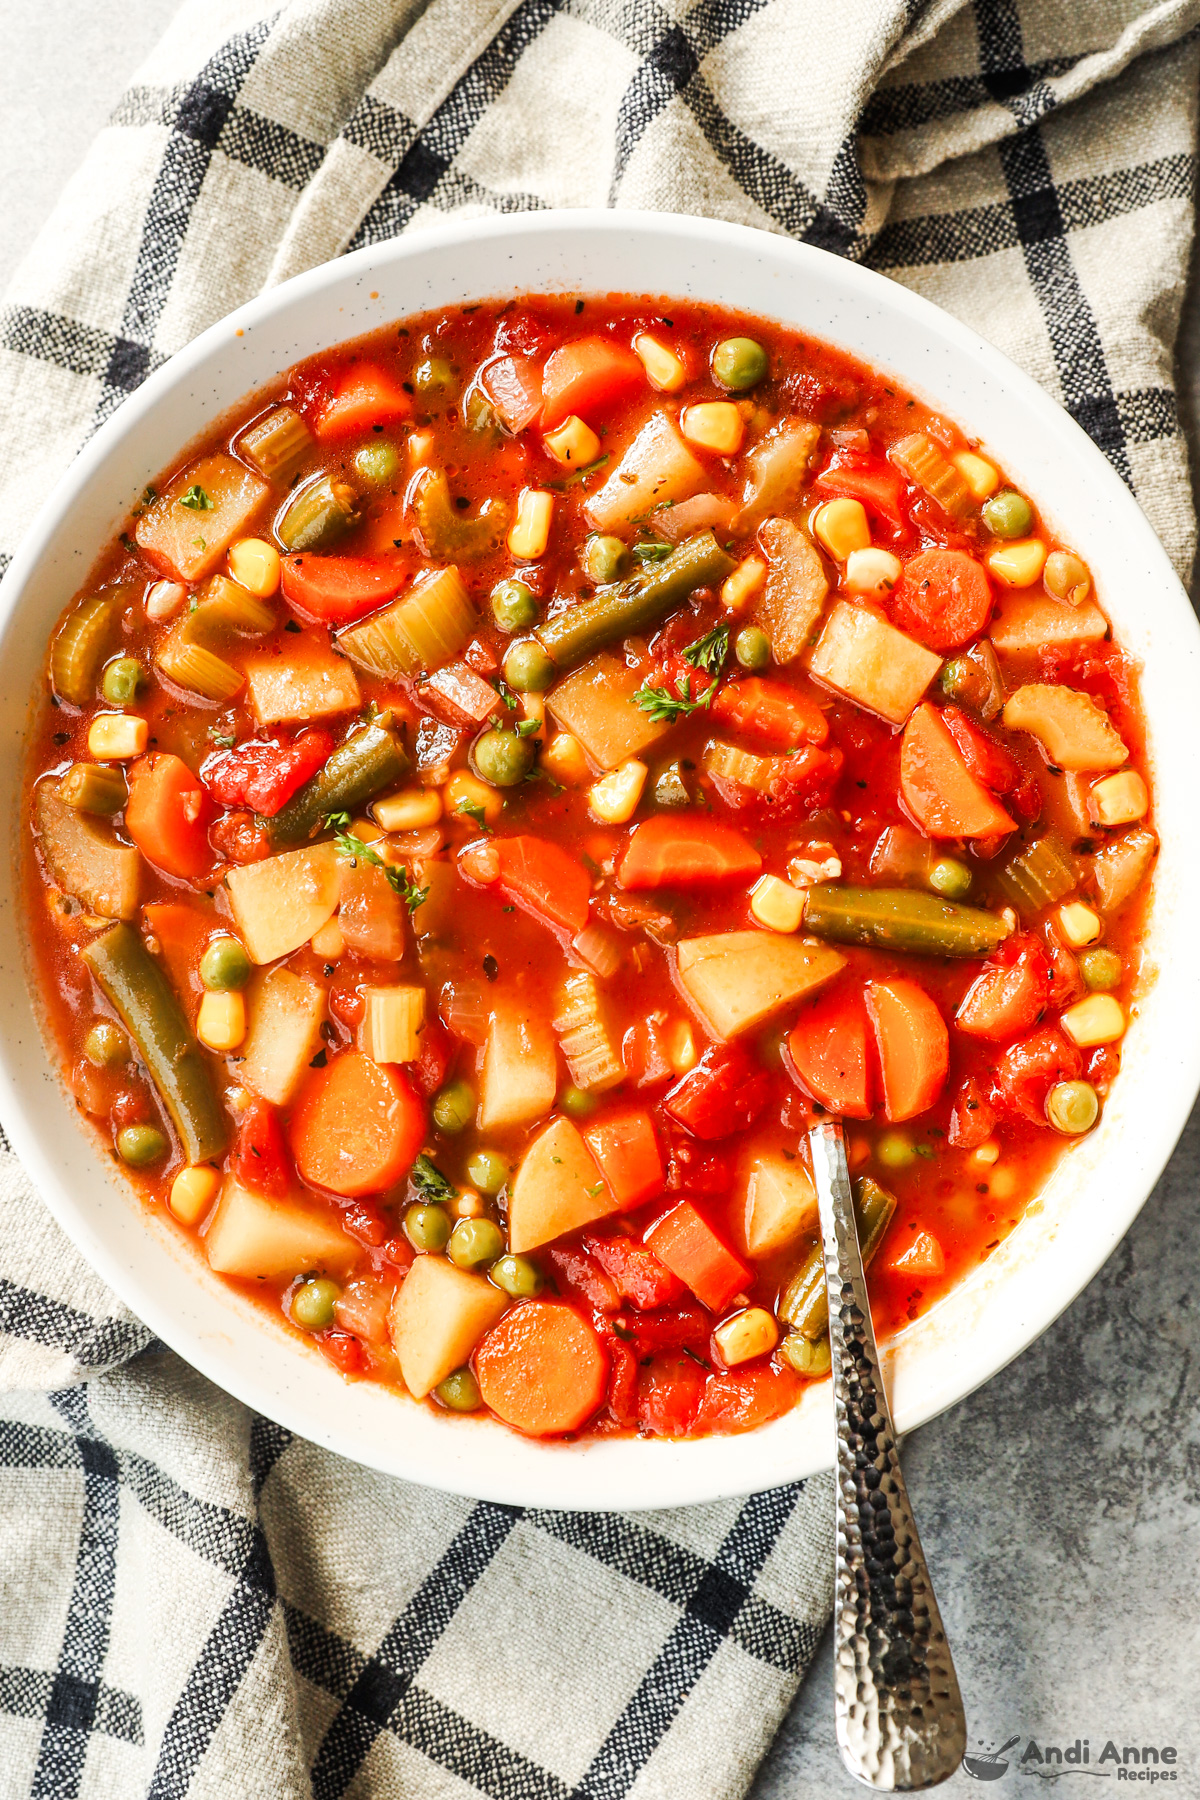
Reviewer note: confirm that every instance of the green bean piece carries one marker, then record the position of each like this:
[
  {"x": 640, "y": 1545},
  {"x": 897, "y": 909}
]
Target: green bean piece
[
  {"x": 474, "y": 1243},
  {"x": 106, "y": 1045},
  {"x": 487, "y": 1171},
  {"x": 83, "y": 643},
  {"x": 805, "y": 1304},
  {"x": 427, "y": 1226},
  {"x": 514, "y": 607},
  {"x": 146, "y": 1005},
  {"x": 1007, "y": 514},
  {"x": 1072, "y": 1107},
  {"x": 1101, "y": 970},
  {"x": 370, "y": 760},
  {"x": 896, "y": 1150},
  {"x": 589, "y": 625},
  {"x": 901, "y": 919},
  {"x": 94, "y": 788},
  {"x": 316, "y": 517},
  {"x": 454, "y": 1107},
  {"x": 121, "y": 680},
  {"x": 313, "y": 1304},
  {"x": 459, "y": 1392},
  {"x": 141, "y": 1145},
  {"x": 1037, "y": 875},
  {"x": 377, "y": 463},
  {"x": 435, "y": 376},
  {"x": 577, "y": 1103},
  {"x": 739, "y": 363},
  {"x": 518, "y": 1277},
  {"x": 752, "y": 647},
  {"x": 225, "y": 965},
  {"x": 670, "y": 788},
  {"x": 605, "y": 559},
  {"x": 501, "y": 758},
  {"x": 527, "y": 668},
  {"x": 950, "y": 878},
  {"x": 810, "y": 1357}
]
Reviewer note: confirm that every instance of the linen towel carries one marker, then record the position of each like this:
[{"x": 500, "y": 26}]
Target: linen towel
[{"x": 197, "y": 1603}]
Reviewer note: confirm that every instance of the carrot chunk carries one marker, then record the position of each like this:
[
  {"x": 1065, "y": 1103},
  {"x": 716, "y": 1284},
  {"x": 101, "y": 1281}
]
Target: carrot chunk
[
  {"x": 686, "y": 851},
  {"x": 586, "y": 377},
  {"x": 923, "y": 1257},
  {"x": 691, "y": 1249},
  {"x": 913, "y": 1045},
  {"x": 778, "y": 714},
  {"x": 669, "y": 1393},
  {"x": 357, "y": 398},
  {"x": 167, "y": 815},
  {"x": 828, "y": 1049},
  {"x": 545, "y": 880},
  {"x": 626, "y": 1152},
  {"x": 333, "y": 590},
  {"x": 937, "y": 787},
  {"x": 943, "y": 598},
  {"x": 542, "y": 1369},
  {"x": 357, "y": 1127}
]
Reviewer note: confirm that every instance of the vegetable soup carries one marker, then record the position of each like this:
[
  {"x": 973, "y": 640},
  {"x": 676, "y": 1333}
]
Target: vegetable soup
[{"x": 515, "y": 774}]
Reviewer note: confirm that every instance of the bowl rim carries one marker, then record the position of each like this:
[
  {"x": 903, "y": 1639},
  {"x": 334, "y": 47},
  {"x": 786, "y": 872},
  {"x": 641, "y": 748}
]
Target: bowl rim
[{"x": 582, "y": 1475}]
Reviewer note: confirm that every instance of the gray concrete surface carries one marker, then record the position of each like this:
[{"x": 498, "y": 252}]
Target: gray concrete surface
[{"x": 1060, "y": 1506}]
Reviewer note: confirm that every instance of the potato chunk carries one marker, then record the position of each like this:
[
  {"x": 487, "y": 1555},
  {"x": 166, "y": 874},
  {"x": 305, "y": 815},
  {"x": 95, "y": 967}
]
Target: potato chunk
[
  {"x": 1075, "y": 732},
  {"x": 779, "y": 1203},
  {"x": 438, "y": 1316},
  {"x": 191, "y": 525},
  {"x": 1122, "y": 865},
  {"x": 558, "y": 1188},
  {"x": 262, "y": 1239},
  {"x": 279, "y": 903},
  {"x": 595, "y": 704},
  {"x": 860, "y": 655},
  {"x": 657, "y": 467},
  {"x": 795, "y": 592},
  {"x": 520, "y": 1069},
  {"x": 736, "y": 979},
  {"x": 286, "y": 1011},
  {"x": 301, "y": 679},
  {"x": 1025, "y": 623}
]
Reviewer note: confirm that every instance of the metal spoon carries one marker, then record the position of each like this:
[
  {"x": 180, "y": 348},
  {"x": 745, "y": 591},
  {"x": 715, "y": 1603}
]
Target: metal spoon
[{"x": 899, "y": 1714}]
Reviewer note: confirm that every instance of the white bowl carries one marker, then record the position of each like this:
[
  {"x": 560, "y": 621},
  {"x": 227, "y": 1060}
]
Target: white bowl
[{"x": 1098, "y": 1187}]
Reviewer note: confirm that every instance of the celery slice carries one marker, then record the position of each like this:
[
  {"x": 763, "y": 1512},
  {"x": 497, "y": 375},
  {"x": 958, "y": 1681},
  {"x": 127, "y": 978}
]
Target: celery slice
[
  {"x": 316, "y": 517},
  {"x": 1038, "y": 875},
  {"x": 447, "y": 533},
  {"x": 927, "y": 464},
  {"x": 277, "y": 445},
  {"x": 729, "y": 763},
  {"x": 425, "y": 628},
  {"x": 84, "y": 857},
  {"x": 592, "y": 1057},
  {"x": 94, "y": 788},
  {"x": 83, "y": 643},
  {"x": 391, "y": 1023}
]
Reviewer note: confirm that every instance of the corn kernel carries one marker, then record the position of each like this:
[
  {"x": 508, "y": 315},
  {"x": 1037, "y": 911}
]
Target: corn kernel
[
  {"x": 328, "y": 943},
  {"x": 1119, "y": 799},
  {"x": 1017, "y": 564},
  {"x": 714, "y": 425},
  {"x": 420, "y": 443},
  {"x": 680, "y": 1042},
  {"x": 464, "y": 789},
  {"x": 1096, "y": 1020},
  {"x": 467, "y": 1204},
  {"x": 366, "y": 831},
  {"x": 986, "y": 1154},
  {"x": 566, "y": 760},
  {"x": 192, "y": 1193},
  {"x": 776, "y": 904},
  {"x": 858, "y": 1152},
  {"x": 221, "y": 1021},
  {"x": 114, "y": 737},
  {"x": 841, "y": 527},
  {"x": 1079, "y": 924},
  {"x": 573, "y": 443},
  {"x": 738, "y": 589},
  {"x": 664, "y": 370},
  {"x": 254, "y": 564},
  {"x": 531, "y": 528},
  {"x": 409, "y": 810},
  {"x": 533, "y": 706},
  {"x": 981, "y": 476},
  {"x": 746, "y": 1335},
  {"x": 615, "y": 798},
  {"x": 871, "y": 572}
]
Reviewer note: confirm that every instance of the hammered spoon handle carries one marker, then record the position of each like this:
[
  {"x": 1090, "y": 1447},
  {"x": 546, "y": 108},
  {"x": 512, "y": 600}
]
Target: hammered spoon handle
[{"x": 898, "y": 1711}]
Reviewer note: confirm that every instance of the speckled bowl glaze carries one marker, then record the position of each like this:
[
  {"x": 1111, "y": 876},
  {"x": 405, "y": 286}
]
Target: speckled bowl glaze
[{"x": 1098, "y": 1187}]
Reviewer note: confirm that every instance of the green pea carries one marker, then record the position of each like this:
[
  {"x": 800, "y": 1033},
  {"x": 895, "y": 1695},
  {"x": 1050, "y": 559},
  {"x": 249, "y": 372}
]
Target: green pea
[
  {"x": 459, "y": 1392},
  {"x": 140, "y": 1145},
  {"x": 377, "y": 463},
  {"x": 313, "y": 1304},
  {"x": 501, "y": 758},
  {"x": 809, "y": 1357},
  {"x": 576, "y": 1103},
  {"x": 474, "y": 1243},
  {"x": 514, "y": 607},
  {"x": 487, "y": 1171},
  {"x": 106, "y": 1044},
  {"x": 896, "y": 1150},
  {"x": 950, "y": 878},
  {"x": 435, "y": 376},
  {"x": 225, "y": 965},
  {"x": 518, "y": 1277},
  {"x": 427, "y": 1226},
  {"x": 604, "y": 559},
  {"x": 454, "y": 1107},
  {"x": 752, "y": 648},
  {"x": 1007, "y": 514},
  {"x": 739, "y": 363},
  {"x": 1073, "y": 1107},
  {"x": 527, "y": 668},
  {"x": 122, "y": 679},
  {"x": 1101, "y": 969}
]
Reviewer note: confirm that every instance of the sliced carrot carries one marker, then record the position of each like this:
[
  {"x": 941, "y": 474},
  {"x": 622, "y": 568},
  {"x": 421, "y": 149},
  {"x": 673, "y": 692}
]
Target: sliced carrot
[
  {"x": 167, "y": 815},
  {"x": 586, "y": 377},
  {"x": 542, "y": 1369},
  {"x": 180, "y": 933},
  {"x": 691, "y": 1249},
  {"x": 627, "y": 1154},
  {"x": 740, "y": 1399},
  {"x": 913, "y": 1045},
  {"x": 828, "y": 1049},
  {"x": 333, "y": 590},
  {"x": 937, "y": 787},
  {"x": 923, "y": 1257},
  {"x": 545, "y": 880},
  {"x": 357, "y": 1127},
  {"x": 767, "y": 709},
  {"x": 685, "y": 850},
  {"x": 360, "y": 396},
  {"x": 943, "y": 598}
]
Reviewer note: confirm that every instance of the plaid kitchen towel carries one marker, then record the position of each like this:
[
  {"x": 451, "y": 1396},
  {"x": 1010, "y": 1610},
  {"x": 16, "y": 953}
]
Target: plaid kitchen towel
[{"x": 196, "y": 1603}]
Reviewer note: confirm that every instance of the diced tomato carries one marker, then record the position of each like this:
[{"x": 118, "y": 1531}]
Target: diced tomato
[
  {"x": 365, "y": 1222},
  {"x": 513, "y": 384},
  {"x": 626, "y": 1151},
  {"x": 913, "y": 1046},
  {"x": 344, "y": 1351},
  {"x": 399, "y": 1253},
  {"x": 683, "y": 1326},
  {"x": 588, "y": 377},
  {"x": 458, "y": 696},
  {"x": 264, "y": 774},
  {"x": 622, "y": 1382},
  {"x": 921, "y": 1259},
  {"x": 861, "y": 476},
  {"x": 1010, "y": 993},
  {"x": 725, "y": 1092},
  {"x": 828, "y": 1051},
  {"x": 579, "y": 1276},
  {"x": 545, "y": 880},
  {"x": 636, "y": 1271},
  {"x": 438, "y": 1050},
  {"x": 1066, "y": 982},
  {"x": 481, "y": 657},
  {"x": 938, "y": 788},
  {"x": 356, "y": 399},
  {"x": 167, "y": 815},
  {"x": 943, "y": 598},
  {"x": 669, "y": 1391},
  {"x": 1028, "y": 1070},
  {"x": 239, "y": 839},
  {"x": 691, "y": 1249},
  {"x": 974, "y": 1117},
  {"x": 780, "y": 715},
  {"x": 803, "y": 783},
  {"x": 686, "y": 850},
  {"x": 259, "y": 1158},
  {"x": 739, "y": 1400},
  {"x": 695, "y": 1171},
  {"x": 334, "y": 590}
]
